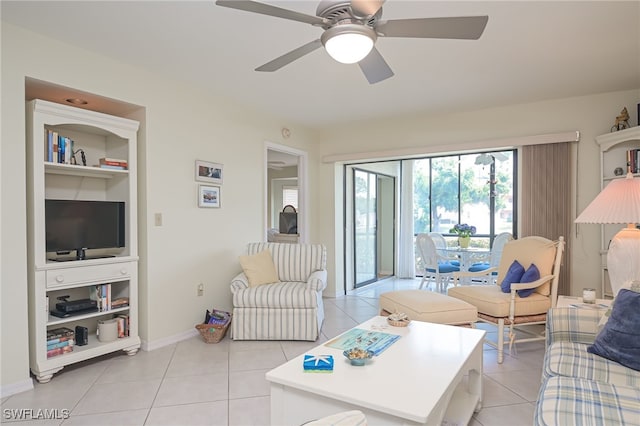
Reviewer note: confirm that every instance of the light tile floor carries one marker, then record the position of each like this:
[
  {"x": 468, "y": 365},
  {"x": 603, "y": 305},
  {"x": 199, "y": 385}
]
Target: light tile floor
[{"x": 194, "y": 383}]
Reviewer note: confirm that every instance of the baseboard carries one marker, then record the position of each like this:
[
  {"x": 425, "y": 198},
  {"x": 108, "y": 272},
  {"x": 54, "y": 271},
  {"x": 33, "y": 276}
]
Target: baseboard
[
  {"x": 166, "y": 341},
  {"x": 14, "y": 388}
]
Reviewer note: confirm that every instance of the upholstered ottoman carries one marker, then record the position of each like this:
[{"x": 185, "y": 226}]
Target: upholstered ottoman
[{"x": 422, "y": 305}]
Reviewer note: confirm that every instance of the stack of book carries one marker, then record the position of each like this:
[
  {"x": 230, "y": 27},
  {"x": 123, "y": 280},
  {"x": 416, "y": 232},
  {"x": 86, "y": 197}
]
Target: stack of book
[
  {"x": 101, "y": 293},
  {"x": 123, "y": 325},
  {"x": 113, "y": 163},
  {"x": 58, "y": 148},
  {"x": 59, "y": 341}
]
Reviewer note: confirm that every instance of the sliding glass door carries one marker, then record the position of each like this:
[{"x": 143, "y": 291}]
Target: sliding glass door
[
  {"x": 365, "y": 226},
  {"x": 373, "y": 226}
]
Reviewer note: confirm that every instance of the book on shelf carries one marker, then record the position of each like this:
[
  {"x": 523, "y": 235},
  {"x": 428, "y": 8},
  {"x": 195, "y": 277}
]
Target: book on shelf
[
  {"x": 60, "y": 332},
  {"x": 110, "y": 167},
  {"x": 633, "y": 160},
  {"x": 69, "y": 342},
  {"x": 59, "y": 351},
  {"x": 101, "y": 293},
  {"x": 120, "y": 302},
  {"x": 58, "y": 148},
  {"x": 123, "y": 321},
  {"x": 113, "y": 162},
  {"x": 59, "y": 339}
]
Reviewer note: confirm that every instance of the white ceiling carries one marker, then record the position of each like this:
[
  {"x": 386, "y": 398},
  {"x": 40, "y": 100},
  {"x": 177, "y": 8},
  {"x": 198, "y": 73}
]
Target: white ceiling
[{"x": 529, "y": 51}]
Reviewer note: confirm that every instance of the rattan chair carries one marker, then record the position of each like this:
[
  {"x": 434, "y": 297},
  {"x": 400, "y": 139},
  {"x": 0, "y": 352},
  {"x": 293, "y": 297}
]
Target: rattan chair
[
  {"x": 434, "y": 266},
  {"x": 493, "y": 260},
  {"x": 441, "y": 246},
  {"x": 499, "y": 308}
]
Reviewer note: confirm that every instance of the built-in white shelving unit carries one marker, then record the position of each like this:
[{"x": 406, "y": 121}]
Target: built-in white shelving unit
[
  {"x": 613, "y": 155},
  {"x": 98, "y": 135}
]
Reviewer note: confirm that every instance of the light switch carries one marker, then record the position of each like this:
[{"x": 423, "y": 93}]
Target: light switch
[{"x": 158, "y": 219}]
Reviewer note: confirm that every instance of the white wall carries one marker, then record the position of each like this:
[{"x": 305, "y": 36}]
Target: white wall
[
  {"x": 182, "y": 124},
  {"x": 591, "y": 115}
]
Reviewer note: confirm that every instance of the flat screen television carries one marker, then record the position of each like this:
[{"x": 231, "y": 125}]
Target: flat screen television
[{"x": 81, "y": 225}]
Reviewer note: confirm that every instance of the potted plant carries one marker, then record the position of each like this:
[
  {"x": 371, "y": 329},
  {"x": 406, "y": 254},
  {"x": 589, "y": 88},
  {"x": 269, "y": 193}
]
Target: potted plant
[{"x": 464, "y": 232}]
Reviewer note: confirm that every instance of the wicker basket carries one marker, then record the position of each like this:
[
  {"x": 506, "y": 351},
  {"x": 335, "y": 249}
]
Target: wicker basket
[{"x": 213, "y": 333}]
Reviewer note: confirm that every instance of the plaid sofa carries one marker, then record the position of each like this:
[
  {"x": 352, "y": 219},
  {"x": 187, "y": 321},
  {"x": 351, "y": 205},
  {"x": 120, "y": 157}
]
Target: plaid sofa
[
  {"x": 580, "y": 388},
  {"x": 291, "y": 309}
]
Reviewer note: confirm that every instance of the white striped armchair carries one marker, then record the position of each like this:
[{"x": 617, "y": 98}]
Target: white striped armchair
[{"x": 291, "y": 309}]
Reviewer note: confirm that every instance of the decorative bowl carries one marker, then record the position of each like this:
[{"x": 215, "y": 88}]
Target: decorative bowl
[
  {"x": 398, "y": 319},
  {"x": 400, "y": 323},
  {"x": 357, "y": 356}
]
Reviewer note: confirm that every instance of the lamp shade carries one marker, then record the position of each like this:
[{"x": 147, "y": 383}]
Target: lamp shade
[
  {"x": 618, "y": 202},
  {"x": 348, "y": 43}
]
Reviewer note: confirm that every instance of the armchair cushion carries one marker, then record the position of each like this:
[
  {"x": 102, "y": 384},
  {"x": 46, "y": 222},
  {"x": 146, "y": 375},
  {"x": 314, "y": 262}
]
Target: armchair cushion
[
  {"x": 280, "y": 295},
  {"x": 533, "y": 251},
  {"x": 490, "y": 300},
  {"x": 259, "y": 268},
  {"x": 620, "y": 339}
]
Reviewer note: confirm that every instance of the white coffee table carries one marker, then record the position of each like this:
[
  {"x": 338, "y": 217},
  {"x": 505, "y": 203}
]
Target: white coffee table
[{"x": 418, "y": 380}]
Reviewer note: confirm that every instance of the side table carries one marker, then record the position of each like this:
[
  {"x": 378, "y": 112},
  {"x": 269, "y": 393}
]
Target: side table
[{"x": 576, "y": 302}]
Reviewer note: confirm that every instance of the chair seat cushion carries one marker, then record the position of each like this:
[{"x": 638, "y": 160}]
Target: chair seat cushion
[
  {"x": 444, "y": 268},
  {"x": 492, "y": 301},
  {"x": 573, "y": 401},
  {"x": 279, "y": 295},
  {"x": 571, "y": 359},
  {"x": 480, "y": 266},
  {"x": 421, "y": 305}
]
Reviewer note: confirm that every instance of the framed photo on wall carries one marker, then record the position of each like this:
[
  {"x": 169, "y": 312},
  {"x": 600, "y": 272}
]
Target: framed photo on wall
[
  {"x": 208, "y": 172},
  {"x": 208, "y": 196}
]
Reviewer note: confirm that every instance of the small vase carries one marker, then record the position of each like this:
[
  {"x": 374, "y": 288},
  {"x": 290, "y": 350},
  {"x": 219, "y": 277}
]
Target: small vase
[{"x": 464, "y": 242}]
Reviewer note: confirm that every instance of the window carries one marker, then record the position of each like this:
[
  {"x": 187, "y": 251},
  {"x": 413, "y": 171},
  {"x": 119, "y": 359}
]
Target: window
[
  {"x": 290, "y": 196},
  {"x": 477, "y": 189}
]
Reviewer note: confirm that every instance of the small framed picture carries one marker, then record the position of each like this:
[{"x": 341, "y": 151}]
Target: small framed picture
[
  {"x": 208, "y": 196},
  {"x": 208, "y": 172}
]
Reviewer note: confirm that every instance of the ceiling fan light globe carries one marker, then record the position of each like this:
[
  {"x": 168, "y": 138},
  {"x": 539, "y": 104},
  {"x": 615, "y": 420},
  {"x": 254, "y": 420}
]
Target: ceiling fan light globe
[{"x": 348, "y": 43}]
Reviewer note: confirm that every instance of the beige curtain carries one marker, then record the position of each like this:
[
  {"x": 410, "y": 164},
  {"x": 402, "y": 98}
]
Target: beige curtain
[{"x": 546, "y": 198}]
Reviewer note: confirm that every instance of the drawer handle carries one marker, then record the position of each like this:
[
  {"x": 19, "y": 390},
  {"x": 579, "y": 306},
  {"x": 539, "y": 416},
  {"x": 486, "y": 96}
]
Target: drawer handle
[
  {"x": 60, "y": 278},
  {"x": 123, "y": 271}
]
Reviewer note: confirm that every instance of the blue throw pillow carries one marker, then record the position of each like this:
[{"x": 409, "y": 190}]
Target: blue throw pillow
[
  {"x": 619, "y": 340},
  {"x": 514, "y": 274},
  {"x": 530, "y": 275}
]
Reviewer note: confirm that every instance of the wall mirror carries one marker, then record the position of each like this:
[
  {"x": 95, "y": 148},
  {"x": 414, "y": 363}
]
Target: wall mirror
[{"x": 285, "y": 180}]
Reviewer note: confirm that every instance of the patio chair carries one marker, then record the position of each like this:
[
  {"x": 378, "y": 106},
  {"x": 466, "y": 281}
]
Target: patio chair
[
  {"x": 494, "y": 257},
  {"x": 519, "y": 297},
  {"x": 441, "y": 245},
  {"x": 434, "y": 266}
]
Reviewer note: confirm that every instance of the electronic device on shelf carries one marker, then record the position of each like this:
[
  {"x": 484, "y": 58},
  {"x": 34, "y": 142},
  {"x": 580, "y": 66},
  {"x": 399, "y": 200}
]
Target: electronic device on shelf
[
  {"x": 80, "y": 225},
  {"x": 72, "y": 306}
]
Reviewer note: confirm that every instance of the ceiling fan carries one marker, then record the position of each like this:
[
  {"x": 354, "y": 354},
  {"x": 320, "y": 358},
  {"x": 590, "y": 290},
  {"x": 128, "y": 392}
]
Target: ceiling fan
[{"x": 351, "y": 28}]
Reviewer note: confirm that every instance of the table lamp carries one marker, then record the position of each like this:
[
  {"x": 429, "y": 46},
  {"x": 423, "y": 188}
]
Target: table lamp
[{"x": 619, "y": 202}]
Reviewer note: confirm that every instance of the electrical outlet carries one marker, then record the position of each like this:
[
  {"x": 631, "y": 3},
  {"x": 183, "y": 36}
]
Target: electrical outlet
[{"x": 201, "y": 289}]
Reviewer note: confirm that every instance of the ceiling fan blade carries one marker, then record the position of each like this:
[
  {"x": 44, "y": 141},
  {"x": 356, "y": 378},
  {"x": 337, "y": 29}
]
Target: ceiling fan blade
[
  {"x": 287, "y": 58},
  {"x": 458, "y": 27},
  {"x": 374, "y": 67},
  {"x": 366, "y": 8},
  {"x": 266, "y": 9}
]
